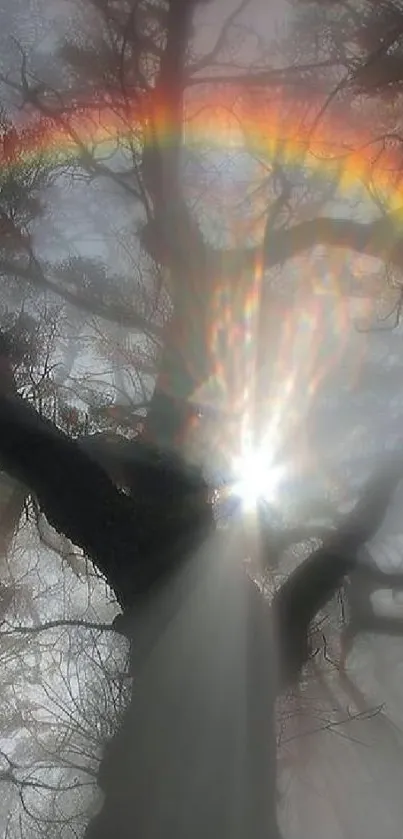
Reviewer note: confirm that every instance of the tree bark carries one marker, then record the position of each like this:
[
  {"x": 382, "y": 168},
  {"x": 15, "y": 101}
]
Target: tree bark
[
  {"x": 195, "y": 755},
  {"x": 195, "y": 752}
]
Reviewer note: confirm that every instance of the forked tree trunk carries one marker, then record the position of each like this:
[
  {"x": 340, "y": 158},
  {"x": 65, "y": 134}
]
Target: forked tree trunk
[{"x": 195, "y": 754}]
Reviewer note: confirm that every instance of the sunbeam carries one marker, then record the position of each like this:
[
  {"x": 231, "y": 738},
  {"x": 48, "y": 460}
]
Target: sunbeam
[{"x": 257, "y": 477}]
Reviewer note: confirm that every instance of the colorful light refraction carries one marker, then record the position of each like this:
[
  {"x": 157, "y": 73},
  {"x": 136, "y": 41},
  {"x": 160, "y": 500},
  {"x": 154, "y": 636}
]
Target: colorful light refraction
[
  {"x": 276, "y": 127},
  {"x": 307, "y": 338}
]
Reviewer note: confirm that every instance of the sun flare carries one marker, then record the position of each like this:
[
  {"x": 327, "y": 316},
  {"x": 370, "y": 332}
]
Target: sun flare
[{"x": 256, "y": 478}]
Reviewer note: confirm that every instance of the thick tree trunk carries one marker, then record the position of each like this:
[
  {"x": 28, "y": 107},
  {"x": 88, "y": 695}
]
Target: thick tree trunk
[
  {"x": 182, "y": 364},
  {"x": 212, "y": 346},
  {"x": 195, "y": 755}
]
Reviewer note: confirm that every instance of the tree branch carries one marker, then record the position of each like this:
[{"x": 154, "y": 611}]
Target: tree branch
[
  {"x": 381, "y": 239},
  {"x": 34, "y": 273},
  {"x": 76, "y": 494},
  {"x": 315, "y": 581},
  {"x": 210, "y": 57},
  {"x": 261, "y": 78},
  {"x": 43, "y": 627},
  {"x": 134, "y": 547}
]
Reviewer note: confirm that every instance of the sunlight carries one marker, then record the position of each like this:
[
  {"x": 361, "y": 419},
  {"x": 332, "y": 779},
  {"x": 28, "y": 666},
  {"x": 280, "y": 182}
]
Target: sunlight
[{"x": 256, "y": 478}]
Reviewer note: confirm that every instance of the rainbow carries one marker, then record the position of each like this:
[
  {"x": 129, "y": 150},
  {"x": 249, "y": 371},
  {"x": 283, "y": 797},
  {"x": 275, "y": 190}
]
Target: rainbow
[
  {"x": 276, "y": 128},
  {"x": 273, "y": 126}
]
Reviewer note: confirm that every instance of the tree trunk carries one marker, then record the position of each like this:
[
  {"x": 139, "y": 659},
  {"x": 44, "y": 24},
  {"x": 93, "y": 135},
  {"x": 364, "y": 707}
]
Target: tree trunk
[
  {"x": 195, "y": 754},
  {"x": 212, "y": 346}
]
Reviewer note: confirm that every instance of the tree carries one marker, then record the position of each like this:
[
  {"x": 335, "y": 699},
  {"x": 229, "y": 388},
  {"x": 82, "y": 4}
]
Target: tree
[{"x": 161, "y": 563}]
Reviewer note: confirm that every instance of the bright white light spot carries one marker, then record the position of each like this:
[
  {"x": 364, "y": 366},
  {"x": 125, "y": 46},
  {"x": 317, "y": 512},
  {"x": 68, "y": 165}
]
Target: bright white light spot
[{"x": 256, "y": 478}]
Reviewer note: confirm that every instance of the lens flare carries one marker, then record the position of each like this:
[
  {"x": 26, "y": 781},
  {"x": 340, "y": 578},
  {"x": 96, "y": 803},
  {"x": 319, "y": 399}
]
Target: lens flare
[{"x": 257, "y": 477}]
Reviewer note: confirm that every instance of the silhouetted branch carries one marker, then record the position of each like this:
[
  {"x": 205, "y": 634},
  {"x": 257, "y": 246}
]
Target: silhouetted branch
[
  {"x": 293, "y": 75},
  {"x": 121, "y": 535},
  {"x": 74, "y": 491},
  {"x": 316, "y": 580},
  {"x": 381, "y": 239},
  {"x": 210, "y": 57},
  {"x": 43, "y": 627}
]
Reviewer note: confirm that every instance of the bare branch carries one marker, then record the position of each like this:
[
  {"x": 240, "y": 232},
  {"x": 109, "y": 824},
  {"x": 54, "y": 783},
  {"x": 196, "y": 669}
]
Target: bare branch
[
  {"x": 210, "y": 57},
  {"x": 380, "y": 239},
  {"x": 316, "y": 580},
  {"x": 35, "y": 273},
  {"x": 78, "y": 497},
  {"x": 43, "y": 627},
  {"x": 292, "y": 75}
]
